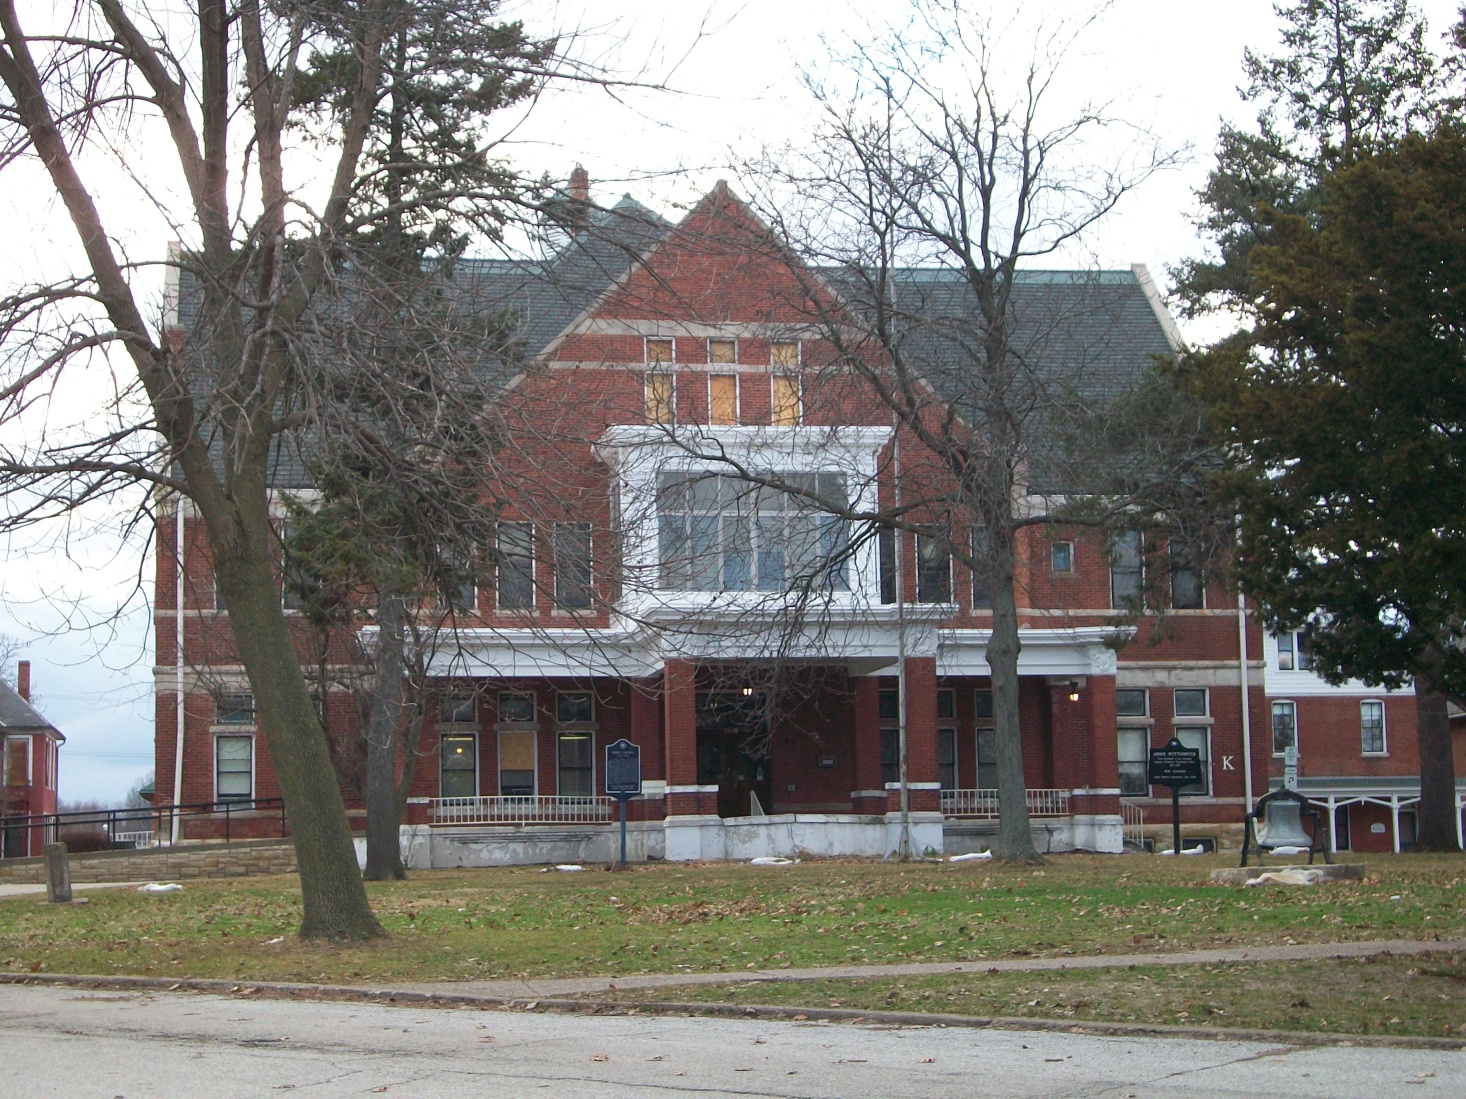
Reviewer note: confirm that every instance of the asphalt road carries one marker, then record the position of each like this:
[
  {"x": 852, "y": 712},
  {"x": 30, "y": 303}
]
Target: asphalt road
[{"x": 62, "y": 1042}]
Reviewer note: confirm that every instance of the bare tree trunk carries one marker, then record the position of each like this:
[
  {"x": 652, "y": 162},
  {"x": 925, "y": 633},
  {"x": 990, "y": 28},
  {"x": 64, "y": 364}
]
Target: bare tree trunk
[
  {"x": 1015, "y": 841},
  {"x": 334, "y": 897},
  {"x": 1437, "y": 819},
  {"x": 383, "y": 808}
]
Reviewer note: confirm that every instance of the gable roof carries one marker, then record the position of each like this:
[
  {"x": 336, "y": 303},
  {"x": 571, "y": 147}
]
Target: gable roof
[{"x": 19, "y": 716}]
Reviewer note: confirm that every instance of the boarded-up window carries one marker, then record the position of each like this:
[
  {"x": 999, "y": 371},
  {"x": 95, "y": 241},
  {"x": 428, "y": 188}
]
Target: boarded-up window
[
  {"x": 658, "y": 351},
  {"x": 786, "y": 400},
  {"x": 516, "y": 764},
  {"x": 722, "y": 351},
  {"x": 17, "y": 761},
  {"x": 784, "y": 353},
  {"x": 661, "y": 405},
  {"x": 723, "y": 398}
]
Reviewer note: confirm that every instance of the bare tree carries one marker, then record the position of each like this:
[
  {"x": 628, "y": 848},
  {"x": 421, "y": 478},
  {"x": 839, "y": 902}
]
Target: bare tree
[
  {"x": 10, "y": 650},
  {"x": 393, "y": 97},
  {"x": 935, "y": 183}
]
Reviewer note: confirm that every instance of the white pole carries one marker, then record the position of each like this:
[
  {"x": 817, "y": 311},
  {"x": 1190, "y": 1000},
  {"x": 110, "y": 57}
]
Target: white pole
[
  {"x": 1246, "y": 704},
  {"x": 178, "y": 716},
  {"x": 1395, "y": 819},
  {"x": 1333, "y": 826},
  {"x": 903, "y": 845}
]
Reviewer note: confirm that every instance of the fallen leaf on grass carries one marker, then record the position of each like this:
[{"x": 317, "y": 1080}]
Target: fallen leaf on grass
[{"x": 599, "y": 1057}]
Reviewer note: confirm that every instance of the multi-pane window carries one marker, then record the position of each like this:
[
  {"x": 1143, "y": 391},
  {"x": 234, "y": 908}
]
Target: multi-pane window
[
  {"x": 1295, "y": 651},
  {"x": 572, "y": 566},
  {"x": 575, "y": 742},
  {"x": 890, "y": 713},
  {"x": 723, "y": 398},
  {"x": 786, "y": 400},
  {"x": 982, "y": 596},
  {"x": 514, "y": 580},
  {"x": 986, "y": 741},
  {"x": 1134, "y": 741},
  {"x": 1061, "y": 556},
  {"x": 458, "y": 766},
  {"x": 1285, "y": 727},
  {"x": 718, "y": 533},
  {"x": 1190, "y": 702},
  {"x": 1134, "y": 747},
  {"x": 933, "y": 570},
  {"x": 459, "y": 709},
  {"x": 234, "y": 710},
  {"x": 459, "y": 584},
  {"x": 661, "y": 399},
  {"x": 1127, "y": 570},
  {"x": 1199, "y": 738},
  {"x": 946, "y": 739},
  {"x": 233, "y": 768},
  {"x": 1372, "y": 727},
  {"x": 516, "y": 709},
  {"x": 1187, "y": 590},
  {"x": 1131, "y": 702}
]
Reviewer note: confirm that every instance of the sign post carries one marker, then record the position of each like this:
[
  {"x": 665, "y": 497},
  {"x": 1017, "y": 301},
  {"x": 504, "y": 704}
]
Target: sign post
[
  {"x": 1175, "y": 766},
  {"x": 623, "y": 780}
]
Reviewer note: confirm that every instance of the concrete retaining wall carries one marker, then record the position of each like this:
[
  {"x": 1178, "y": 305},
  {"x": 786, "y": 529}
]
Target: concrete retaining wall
[{"x": 235, "y": 860}]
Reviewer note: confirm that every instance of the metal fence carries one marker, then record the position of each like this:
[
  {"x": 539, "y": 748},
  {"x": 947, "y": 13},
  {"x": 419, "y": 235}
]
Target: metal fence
[
  {"x": 981, "y": 804},
  {"x": 521, "y": 810},
  {"x": 124, "y": 829}
]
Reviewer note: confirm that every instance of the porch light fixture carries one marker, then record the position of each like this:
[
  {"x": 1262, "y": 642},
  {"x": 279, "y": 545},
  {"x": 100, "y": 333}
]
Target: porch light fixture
[
  {"x": 747, "y": 691},
  {"x": 1073, "y": 690}
]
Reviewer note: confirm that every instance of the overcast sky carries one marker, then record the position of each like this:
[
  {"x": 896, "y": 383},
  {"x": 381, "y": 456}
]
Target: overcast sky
[{"x": 1170, "y": 67}]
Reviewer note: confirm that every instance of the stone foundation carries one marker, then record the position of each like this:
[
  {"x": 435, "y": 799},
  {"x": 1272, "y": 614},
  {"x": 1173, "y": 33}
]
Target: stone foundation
[{"x": 235, "y": 860}]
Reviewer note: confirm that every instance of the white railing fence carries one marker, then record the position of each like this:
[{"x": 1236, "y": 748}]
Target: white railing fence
[
  {"x": 521, "y": 810},
  {"x": 984, "y": 803},
  {"x": 1132, "y": 822}
]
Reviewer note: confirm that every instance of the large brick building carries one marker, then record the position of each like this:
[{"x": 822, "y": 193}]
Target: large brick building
[{"x": 645, "y": 591}]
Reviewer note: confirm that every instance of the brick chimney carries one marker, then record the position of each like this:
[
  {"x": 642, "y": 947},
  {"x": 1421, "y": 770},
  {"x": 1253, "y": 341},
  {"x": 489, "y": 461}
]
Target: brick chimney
[
  {"x": 580, "y": 185},
  {"x": 23, "y": 679}
]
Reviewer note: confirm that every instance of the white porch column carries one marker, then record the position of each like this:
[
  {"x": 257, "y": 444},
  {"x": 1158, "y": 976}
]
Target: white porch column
[
  {"x": 1395, "y": 819},
  {"x": 1333, "y": 827}
]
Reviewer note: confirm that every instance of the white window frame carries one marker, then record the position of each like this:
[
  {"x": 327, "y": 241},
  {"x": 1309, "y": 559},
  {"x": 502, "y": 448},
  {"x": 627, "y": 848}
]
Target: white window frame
[
  {"x": 234, "y": 732},
  {"x": 724, "y": 339},
  {"x": 533, "y": 604},
  {"x": 659, "y": 370},
  {"x": 798, "y": 355},
  {"x": 1194, "y": 727},
  {"x": 1185, "y": 719},
  {"x": 1117, "y": 604},
  {"x": 714, "y": 371},
  {"x": 454, "y": 731},
  {"x": 30, "y": 756},
  {"x": 1144, "y": 732},
  {"x": 586, "y": 727},
  {"x": 556, "y": 531},
  {"x": 218, "y": 721},
  {"x": 798, "y": 379},
  {"x": 1272, "y": 728},
  {"x": 646, "y": 351},
  {"x": 1384, "y": 729},
  {"x": 1173, "y": 568},
  {"x": 519, "y": 729},
  {"x": 1053, "y": 547}
]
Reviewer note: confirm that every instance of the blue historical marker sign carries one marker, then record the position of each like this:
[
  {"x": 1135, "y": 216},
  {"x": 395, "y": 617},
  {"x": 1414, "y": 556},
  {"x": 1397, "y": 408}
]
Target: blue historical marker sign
[
  {"x": 623, "y": 769},
  {"x": 623, "y": 780}
]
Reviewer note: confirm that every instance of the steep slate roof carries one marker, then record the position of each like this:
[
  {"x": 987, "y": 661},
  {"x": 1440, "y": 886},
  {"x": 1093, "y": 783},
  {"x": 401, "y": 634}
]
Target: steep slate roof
[
  {"x": 19, "y": 716},
  {"x": 1087, "y": 333}
]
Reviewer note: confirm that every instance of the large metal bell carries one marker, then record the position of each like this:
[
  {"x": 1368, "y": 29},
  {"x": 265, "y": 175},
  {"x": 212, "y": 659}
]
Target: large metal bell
[{"x": 1282, "y": 826}]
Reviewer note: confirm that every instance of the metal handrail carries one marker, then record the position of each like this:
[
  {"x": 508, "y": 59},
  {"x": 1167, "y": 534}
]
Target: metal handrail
[
  {"x": 127, "y": 825},
  {"x": 983, "y": 804},
  {"x": 526, "y": 809}
]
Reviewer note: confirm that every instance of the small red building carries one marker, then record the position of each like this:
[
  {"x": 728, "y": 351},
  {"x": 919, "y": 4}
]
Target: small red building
[
  {"x": 30, "y": 764},
  {"x": 644, "y": 591}
]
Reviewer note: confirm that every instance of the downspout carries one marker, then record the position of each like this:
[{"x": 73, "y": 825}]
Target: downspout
[
  {"x": 1246, "y": 705},
  {"x": 178, "y": 718},
  {"x": 903, "y": 846}
]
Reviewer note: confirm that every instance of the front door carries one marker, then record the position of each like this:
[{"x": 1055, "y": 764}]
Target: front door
[{"x": 733, "y": 752}]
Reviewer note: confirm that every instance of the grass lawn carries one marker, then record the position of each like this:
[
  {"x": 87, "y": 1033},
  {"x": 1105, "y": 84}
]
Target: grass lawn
[
  {"x": 481, "y": 924},
  {"x": 1380, "y": 995}
]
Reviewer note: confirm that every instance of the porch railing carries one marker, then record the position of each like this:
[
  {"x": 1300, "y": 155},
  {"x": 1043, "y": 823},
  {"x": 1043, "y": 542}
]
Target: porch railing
[
  {"x": 521, "y": 810},
  {"x": 980, "y": 804},
  {"x": 1132, "y": 823},
  {"x": 153, "y": 827}
]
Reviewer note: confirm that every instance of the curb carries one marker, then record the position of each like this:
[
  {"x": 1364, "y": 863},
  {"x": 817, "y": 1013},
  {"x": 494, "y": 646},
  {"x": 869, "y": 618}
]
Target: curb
[{"x": 354, "y": 994}]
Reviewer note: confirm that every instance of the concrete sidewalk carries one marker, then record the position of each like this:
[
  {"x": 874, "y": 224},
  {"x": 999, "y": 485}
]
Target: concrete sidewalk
[
  {"x": 547, "y": 987},
  {"x": 9, "y": 889}
]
